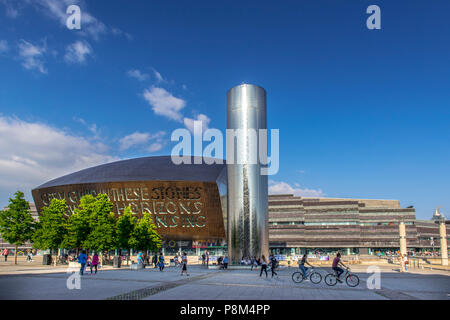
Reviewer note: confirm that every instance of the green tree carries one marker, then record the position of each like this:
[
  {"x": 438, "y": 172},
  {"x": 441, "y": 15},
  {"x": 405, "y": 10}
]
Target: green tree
[
  {"x": 125, "y": 226},
  {"x": 52, "y": 227},
  {"x": 78, "y": 227},
  {"x": 16, "y": 222},
  {"x": 102, "y": 225},
  {"x": 144, "y": 235}
]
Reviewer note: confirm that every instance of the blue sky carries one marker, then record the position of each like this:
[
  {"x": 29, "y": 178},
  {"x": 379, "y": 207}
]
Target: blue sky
[{"x": 362, "y": 113}]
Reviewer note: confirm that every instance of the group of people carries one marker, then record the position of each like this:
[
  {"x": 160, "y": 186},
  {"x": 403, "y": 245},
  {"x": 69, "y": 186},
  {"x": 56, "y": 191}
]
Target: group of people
[
  {"x": 264, "y": 263},
  {"x": 84, "y": 260},
  {"x": 205, "y": 259},
  {"x": 158, "y": 261},
  {"x": 222, "y": 262},
  {"x": 29, "y": 254},
  {"x": 336, "y": 265}
]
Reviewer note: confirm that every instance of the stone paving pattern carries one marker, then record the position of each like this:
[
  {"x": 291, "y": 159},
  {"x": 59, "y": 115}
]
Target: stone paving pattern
[{"x": 125, "y": 284}]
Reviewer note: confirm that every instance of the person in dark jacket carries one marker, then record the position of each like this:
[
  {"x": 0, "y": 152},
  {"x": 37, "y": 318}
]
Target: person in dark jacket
[
  {"x": 273, "y": 265},
  {"x": 161, "y": 262}
]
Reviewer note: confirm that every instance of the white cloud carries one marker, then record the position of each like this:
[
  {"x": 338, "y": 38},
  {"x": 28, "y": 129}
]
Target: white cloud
[
  {"x": 77, "y": 52},
  {"x": 32, "y": 56},
  {"x": 156, "y": 146},
  {"x": 4, "y": 46},
  {"x": 33, "y": 153},
  {"x": 118, "y": 32},
  {"x": 189, "y": 122},
  {"x": 136, "y": 138},
  {"x": 137, "y": 74},
  {"x": 164, "y": 103},
  {"x": 158, "y": 76},
  {"x": 91, "y": 127},
  {"x": 276, "y": 187},
  {"x": 11, "y": 10},
  {"x": 141, "y": 139}
]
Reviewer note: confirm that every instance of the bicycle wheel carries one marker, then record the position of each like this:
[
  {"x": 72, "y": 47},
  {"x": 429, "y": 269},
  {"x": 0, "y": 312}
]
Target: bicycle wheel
[
  {"x": 297, "y": 277},
  {"x": 315, "y": 277},
  {"x": 330, "y": 279},
  {"x": 352, "y": 280}
]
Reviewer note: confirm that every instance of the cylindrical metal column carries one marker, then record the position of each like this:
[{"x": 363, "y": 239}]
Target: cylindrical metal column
[
  {"x": 248, "y": 232},
  {"x": 443, "y": 236}
]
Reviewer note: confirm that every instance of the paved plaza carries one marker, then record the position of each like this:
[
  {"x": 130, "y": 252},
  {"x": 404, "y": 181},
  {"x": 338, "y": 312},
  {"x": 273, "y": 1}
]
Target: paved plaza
[{"x": 151, "y": 284}]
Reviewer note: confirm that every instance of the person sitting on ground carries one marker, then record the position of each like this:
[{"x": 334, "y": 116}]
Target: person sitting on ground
[{"x": 336, "y": 262}]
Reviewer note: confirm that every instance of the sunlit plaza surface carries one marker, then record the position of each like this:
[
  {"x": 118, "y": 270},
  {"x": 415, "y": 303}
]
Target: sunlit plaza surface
[{"x": 44, "y": 282}]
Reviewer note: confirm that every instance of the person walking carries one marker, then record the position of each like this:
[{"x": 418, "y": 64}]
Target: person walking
[
  {"x": 140, "y": 258},
  {"x": 161, "y": 262},
  {"x": 82, "y": 258},
  {"x": 207, "y": 259},
  {"x": 273, "y": 265},
  {"x": 184, "y": 264},
  {"x": 5, "y": 254},
  {"x": 203, "y": 259},
  {"x": 263, "y": 266},
  {"x": 94, "y": 262},
  {"x": 405, "y": 261},
  {"x": 155, "y": 260},
  {"x": 29, "y": 256},
  {"x": 225, "y": 262},
  {"x": 402, "y": 263}
]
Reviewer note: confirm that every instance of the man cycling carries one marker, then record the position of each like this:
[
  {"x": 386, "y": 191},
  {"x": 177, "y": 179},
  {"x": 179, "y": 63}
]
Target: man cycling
[
  {"x": 302, "y": 263},
  {"x": 336, "y": 262}
]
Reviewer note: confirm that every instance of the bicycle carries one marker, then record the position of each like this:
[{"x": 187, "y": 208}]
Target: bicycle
[
  {"x": 351, "y": 279},
  {"x": 314, "y": 276}
]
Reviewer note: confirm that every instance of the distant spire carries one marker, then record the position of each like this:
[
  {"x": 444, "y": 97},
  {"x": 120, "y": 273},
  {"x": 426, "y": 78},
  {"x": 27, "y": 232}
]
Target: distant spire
[{"x": 437, "y": 215}]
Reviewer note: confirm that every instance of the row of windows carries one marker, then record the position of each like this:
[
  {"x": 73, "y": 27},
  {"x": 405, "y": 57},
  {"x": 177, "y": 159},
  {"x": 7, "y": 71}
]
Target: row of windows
[{"x": 346, "y": 223}]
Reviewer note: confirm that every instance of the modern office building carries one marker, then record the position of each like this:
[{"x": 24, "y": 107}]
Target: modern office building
[{"x": 298, "y": 225}]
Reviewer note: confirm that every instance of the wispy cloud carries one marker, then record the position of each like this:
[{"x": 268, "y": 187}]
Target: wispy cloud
[
  {"x": 77, "y": 52},
  {"x": 118, "y": 32},
  {"x": 280, "y": 187},
  {"x": 164, "y": 103},
  {"x": 4, "y": 46},
  {"x": 33, "y": 153},
  {"x": 142, "y": 140},
  {"x": 137, "y": 74},
  {"x": 11, "y": 8},
  {"x": 189, "y": 122},
  {"x": 32, "y": 56},
  {"x": 158, "y": 76}
]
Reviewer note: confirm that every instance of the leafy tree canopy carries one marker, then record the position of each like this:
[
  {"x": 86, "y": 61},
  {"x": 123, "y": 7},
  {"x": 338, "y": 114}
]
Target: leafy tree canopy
[
  {"x": 16, "y": 222},
  {"x": 52, "y": 227}
]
